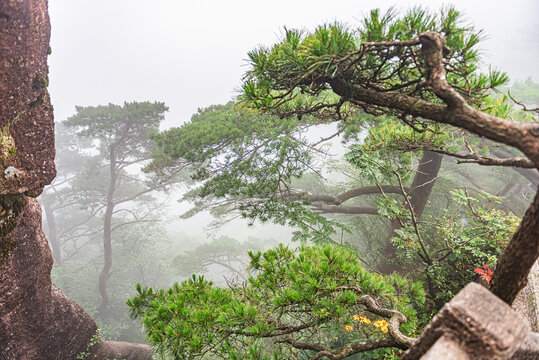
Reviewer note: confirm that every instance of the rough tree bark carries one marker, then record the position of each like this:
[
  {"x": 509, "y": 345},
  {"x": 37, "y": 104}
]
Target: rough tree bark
[
  {"x": 518, "y": 256},
  {"x": 37, "y": 321}
]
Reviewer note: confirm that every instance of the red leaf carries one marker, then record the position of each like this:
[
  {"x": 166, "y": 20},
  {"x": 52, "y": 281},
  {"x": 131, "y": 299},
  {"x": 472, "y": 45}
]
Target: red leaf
[{"x": 486, "y": 274}]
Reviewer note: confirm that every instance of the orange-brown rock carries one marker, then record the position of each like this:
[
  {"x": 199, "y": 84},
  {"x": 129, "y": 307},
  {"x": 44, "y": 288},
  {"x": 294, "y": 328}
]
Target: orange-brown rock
[
  {"x": 37, "y": 320},
  {"x": 26, "y": 122}
]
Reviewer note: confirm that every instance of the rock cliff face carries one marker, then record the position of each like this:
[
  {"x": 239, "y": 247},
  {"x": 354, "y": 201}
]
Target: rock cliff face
[
  {"x": 37, "y": 321},
  {"x": 26, "y": 122}
]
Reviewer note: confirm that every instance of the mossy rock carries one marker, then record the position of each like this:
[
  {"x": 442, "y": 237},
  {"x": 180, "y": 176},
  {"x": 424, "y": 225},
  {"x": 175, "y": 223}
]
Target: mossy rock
[{"x": 11, "y": 207}]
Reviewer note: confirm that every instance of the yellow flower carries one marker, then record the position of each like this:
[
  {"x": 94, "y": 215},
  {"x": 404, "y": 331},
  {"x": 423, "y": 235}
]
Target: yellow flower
[
  {"x": 362, "y": 319},
  {"x": 349, "y": 328},
  {"x": 380, "y": 323}
]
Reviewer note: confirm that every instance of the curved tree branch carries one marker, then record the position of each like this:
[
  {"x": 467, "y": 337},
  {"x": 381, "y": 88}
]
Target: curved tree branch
[
  {"x": 342, "y": 209},
  {"x": 455, "y": 111},
  {"x": 397, "y": 339},
  {"x": 487, "y": 160},
  {"x": 390, "y": 189},
  {"x": 475, "y": 158},
  {"x": 524, "y": 108},
  {"x": 341, "y": 353},
  {"x": 523, "y": 250},
  {"x": 395, "y": 317},
  {"x": 349, "y": 194}
]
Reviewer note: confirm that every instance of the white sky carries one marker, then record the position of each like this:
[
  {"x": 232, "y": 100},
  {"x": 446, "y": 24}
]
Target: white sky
[{"x": 191, "y": 54}]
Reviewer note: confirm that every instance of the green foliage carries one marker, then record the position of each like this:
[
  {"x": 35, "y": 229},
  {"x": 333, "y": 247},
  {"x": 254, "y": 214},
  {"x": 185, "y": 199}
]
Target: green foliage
[
  {"x": 226, "y": 253},
  {"x": 249, "y": 161},
  {"x": 391, "y": 134},
  {"x": 255, "y": 157},
  {"x": 379, "y": 167},
  {"x": 133, "y": 123},
  {"x": 443, "y": 248},
  {"x": 111, "y": 144},
  {"x": 85, "y": 143},
  {"x": 470, "y": 235},
  {"x": 93, "y": 341},
  {"x": 306, "y": 62},
  {"x": 236, "y": 153},
  {"x": 309, "y": 291}
]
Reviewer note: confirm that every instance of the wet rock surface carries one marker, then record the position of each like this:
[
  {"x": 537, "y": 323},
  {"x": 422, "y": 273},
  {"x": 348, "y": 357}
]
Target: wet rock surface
[
  {"x": 37, "y": 320},
  {"x": 26, "y": 121},
  {"x": 479, "y": 325}
]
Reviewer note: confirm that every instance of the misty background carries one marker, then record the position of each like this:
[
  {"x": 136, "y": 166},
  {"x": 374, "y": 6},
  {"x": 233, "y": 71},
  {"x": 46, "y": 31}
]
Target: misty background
[{"x": 191, "y": 55}]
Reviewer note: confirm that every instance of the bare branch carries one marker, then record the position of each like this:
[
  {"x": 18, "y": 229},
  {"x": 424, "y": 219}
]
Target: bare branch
[
  {"x": 347, "y": 195},
  {"x": 521, "y": 104},
  {"x": 342, "y": 209},
  {"x": 131, "y": 222},
  {"x": 414, "y": 220},
  {"x": 487, "y": 160}
]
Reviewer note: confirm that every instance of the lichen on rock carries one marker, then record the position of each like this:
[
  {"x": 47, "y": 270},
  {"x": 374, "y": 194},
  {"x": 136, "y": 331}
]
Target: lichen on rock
[
  {"x": 7, "y": 144},
  {"x": 10, "y": 209}
]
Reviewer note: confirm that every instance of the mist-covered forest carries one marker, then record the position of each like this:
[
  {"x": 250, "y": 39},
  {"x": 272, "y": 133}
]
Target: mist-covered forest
[
  {"x": 354, "y": 178},
  {"x": 341, "y": 189}
]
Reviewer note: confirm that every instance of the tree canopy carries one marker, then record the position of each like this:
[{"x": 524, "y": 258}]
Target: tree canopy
[
  {"x": 403, "y": 89},
  {"x": 120, "y": 134},
  {"x": 311, "y": 292}
]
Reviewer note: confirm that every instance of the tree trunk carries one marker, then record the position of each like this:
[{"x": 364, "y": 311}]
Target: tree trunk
[
  {"x": 425, "y": 176},
  {"x": 107, "y": 265},
  {"x": 518, "y": 257},
  {"x": 532, "y": 175},
  {"x": 52, "y": 236},
  {"x": 107, "y": 236}
]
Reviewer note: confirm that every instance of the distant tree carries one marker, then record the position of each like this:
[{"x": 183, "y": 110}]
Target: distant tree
[
  {"x": 142, "y": 253},
  {"x": 224, "y": 253},
  {"x": 110, "y": 184},
  {"x": 70, "y": 221}
]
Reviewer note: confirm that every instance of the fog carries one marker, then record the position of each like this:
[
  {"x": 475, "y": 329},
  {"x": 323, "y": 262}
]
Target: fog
[{"x": 191, "y": 55}]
